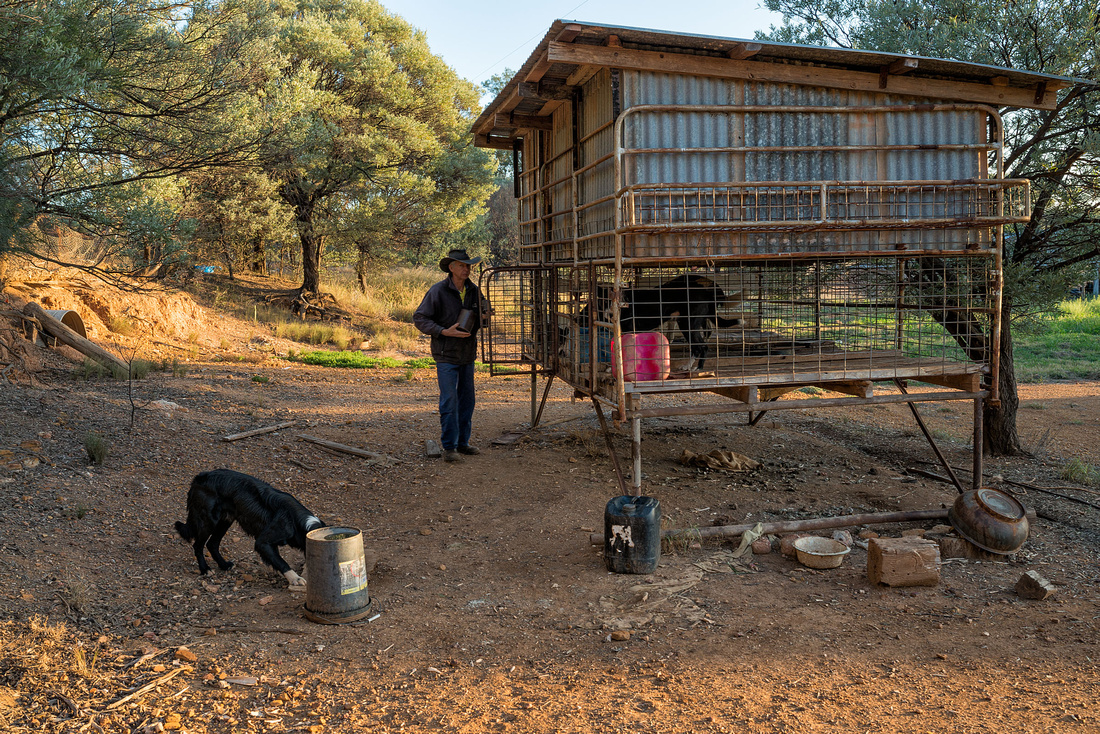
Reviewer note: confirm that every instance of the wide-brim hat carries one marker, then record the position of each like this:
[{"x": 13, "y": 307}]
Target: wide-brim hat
[{"x": 457, "y": 256}]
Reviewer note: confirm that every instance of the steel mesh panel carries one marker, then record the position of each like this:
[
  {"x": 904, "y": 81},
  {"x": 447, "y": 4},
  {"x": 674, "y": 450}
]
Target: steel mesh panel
[{"x": 798, "y": 321}]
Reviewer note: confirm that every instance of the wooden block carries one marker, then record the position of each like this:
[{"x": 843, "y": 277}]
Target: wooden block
[
  {"x": 903, "y": 562},
  {"x": 1033, "y": 586},
  {"x": 431, "y": 448}
]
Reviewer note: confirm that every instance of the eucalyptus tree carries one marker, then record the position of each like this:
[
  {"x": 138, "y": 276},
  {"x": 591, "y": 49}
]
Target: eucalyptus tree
[
  {"x": 238, "y": 216},
  {"x": 374, "y": 130},
  {"x": 1059, "y": 150},
  {"x": 101, "y": 103},
  {"x": 501, "y": 221},
  {"x": 411, "y": 218}
]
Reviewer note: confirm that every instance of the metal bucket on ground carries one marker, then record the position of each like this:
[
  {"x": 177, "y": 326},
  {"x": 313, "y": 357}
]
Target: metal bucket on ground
[
  {"x": 336, "y": 576},
  {"x": 71, "y": 319}
]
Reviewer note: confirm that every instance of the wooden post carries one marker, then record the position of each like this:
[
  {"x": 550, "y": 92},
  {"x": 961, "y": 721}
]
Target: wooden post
[
  {"x": 636, "y": 451},
  {"x": 908, "y": 561},
  {"x": 64, "y": 334},
  {"x": 979, "y": 442},
  {"x": 534, "y": 392}
]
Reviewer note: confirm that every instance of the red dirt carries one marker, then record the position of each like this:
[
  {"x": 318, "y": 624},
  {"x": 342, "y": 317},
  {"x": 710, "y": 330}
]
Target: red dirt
[{"x": 496, "y": 613}]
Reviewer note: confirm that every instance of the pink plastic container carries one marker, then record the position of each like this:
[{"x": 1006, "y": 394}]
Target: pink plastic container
[{"x": 645, "y": 356}]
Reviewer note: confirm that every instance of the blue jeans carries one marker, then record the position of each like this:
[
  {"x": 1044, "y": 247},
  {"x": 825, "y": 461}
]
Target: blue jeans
[{"x": 456, "y": 403}]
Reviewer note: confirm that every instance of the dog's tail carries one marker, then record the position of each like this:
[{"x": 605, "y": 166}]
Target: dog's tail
[{"x": 185, "y": 530}]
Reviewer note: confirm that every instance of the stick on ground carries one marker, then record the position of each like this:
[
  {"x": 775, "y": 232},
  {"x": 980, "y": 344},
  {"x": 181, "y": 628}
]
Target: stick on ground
[
  {"x": 258, "y": 431},
  {"x": 361, "y": 453}
]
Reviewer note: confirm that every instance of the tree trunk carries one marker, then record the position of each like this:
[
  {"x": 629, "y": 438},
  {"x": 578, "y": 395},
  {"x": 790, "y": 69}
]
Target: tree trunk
[
  {"x": 228, "y": 257},
  {"x": 258, "y": 265},
  {"x": 999, "y": 430},
  {"x": 361, "y": 269},
  {"x": 311, "y": 249}
]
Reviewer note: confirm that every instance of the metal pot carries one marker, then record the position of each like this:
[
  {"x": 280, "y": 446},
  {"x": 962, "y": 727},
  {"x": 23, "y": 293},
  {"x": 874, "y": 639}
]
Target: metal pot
[{"x": 990, "y": 519}]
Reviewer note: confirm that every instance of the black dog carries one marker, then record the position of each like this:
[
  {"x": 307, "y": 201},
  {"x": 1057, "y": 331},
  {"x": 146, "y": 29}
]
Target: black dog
[
  {"x": 274, "y": 518},
  {"x": 690, "y": 301}
]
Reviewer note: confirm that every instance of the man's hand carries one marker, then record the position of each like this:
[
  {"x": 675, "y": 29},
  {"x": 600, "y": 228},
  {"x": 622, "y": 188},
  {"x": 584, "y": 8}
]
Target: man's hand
[{"x": 454, "y": 331}]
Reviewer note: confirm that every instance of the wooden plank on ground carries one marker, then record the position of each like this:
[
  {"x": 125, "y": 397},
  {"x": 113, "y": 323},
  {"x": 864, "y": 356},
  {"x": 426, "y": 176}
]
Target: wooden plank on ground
[
  {"x": 259, "y": 431},
  {"x": 361, "y": 453}
]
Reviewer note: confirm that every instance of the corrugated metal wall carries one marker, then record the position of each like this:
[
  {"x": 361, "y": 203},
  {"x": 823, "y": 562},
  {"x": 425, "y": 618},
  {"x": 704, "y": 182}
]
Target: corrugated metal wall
[
  {"x": 558, "y": 177},
  {"x": 696, "y": 146},
  {"x": 845, "y": 125},
  {"x": 595, "y": 180}
]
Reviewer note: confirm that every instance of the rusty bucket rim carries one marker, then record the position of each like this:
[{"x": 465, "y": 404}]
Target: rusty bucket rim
[
  {"x": 322, "y": 534},
  {"x": 354, "y": 615}
]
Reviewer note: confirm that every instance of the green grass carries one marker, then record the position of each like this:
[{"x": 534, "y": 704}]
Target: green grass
[
  {"x": 358, "y": 360},
  {"x": 97, "y": 447},
  {"x": 1065, "y": 346},
  {"x": 315, "y": 332},
  {"x": 90, "y": 370},
  {"x": 1082, "y": 473}
]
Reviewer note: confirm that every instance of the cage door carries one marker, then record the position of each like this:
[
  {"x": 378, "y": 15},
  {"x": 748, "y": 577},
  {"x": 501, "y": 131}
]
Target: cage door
[{"x": 519, "y": 324}]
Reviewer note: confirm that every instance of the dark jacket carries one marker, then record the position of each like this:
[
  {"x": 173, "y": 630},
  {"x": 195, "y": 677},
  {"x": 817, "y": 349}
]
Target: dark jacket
[{"x": 439, "y": 311}]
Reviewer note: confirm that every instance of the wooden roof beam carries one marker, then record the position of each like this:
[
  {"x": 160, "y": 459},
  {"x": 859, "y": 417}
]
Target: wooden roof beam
[
  {"x": 544, "y": 91},
  {"x": 662, "y": 61},
  {"x": 566, "y": 35},
  {"x": 528, "y": 122},
  {"x": 492, "y": 141},
  {"x": 743, "y": 50},
  {"x": 505, "y": 107},
  {"x": 899, "y": 67},
  {"x": 581, "y": 74}
]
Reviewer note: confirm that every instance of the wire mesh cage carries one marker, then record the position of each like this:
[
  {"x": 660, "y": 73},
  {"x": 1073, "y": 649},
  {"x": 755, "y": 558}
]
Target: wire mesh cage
[{"x": 798, "y": 321}]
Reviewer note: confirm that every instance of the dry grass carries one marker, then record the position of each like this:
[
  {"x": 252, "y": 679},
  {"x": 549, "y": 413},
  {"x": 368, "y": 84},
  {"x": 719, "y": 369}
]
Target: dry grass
[
  {"x": 391, "y": 295},
  {"x": 122, "y": 325},
  {"x": 54, "y": 680},
  {"x": 314, "y": 332},
  {"x": 590, "y": 441}
]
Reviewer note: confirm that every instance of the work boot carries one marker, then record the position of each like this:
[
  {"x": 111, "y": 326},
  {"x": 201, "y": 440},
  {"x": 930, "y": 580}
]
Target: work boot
[
  {"x": 469, "y": 450},
  {"x": 451, "y": 455}
]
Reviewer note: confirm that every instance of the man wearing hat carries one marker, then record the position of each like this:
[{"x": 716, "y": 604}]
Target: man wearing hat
[{"x": 450, "y": 313}]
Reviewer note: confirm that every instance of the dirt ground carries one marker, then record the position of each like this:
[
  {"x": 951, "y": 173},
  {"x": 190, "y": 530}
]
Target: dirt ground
[{"x": 494, "y": 610}]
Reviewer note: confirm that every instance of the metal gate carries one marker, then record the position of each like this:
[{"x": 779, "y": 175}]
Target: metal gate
[{"x": 519, "y": 330}]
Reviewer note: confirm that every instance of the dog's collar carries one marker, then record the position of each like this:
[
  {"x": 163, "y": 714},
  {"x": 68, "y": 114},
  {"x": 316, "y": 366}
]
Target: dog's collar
[{"x": 312, "y": 522}]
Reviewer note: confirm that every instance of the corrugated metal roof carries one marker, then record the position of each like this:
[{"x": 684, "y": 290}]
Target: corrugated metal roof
[{"x": 555, "y": 74}]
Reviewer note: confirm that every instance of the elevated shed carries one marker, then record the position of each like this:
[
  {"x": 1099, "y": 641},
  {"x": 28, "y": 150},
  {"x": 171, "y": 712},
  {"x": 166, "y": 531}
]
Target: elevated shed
[{"x": 786, "y": 216}]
